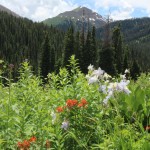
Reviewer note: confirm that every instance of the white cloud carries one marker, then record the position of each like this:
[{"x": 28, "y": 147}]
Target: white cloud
[
  {"x": 123, "y": 12},
  {"x": 124, "y": 8},
  {"x": 38, "y": 10}
]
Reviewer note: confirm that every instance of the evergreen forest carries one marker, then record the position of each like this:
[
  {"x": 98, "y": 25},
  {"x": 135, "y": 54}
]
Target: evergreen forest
[{"x": 50, "y": 48}]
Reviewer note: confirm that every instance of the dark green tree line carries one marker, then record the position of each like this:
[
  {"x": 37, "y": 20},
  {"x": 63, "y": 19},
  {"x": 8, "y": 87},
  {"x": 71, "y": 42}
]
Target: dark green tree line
[{"x": 21, "y": 39}]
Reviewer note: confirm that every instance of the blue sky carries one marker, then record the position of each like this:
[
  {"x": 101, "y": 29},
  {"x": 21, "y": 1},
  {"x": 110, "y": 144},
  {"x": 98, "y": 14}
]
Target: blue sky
[{"x": 39, "y": 10}]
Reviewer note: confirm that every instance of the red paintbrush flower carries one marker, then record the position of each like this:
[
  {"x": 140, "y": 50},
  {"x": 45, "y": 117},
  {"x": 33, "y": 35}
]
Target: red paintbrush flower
[
  {"x": 25, "y": 145},
  {"x": 80, "y": 105},
  {"x": 71, "y": 103},
  {"x": 59, "y": 109},
  {"x": 84, "y": 102},
  {"x": 32, "y": 139},
  {"x": 20, "y": 145}
]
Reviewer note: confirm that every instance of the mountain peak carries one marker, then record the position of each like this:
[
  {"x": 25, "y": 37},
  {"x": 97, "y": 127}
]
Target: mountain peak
[
  {"x": 81, "y": 8},
  {"x": 78, "y": 15}
]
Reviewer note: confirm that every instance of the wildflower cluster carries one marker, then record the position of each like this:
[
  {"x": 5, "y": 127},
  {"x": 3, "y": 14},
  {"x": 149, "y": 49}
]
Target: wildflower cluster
[
  {"x": 25, "y": 145},
  {"x": 107, "y": 86},
  {"x": 71, "y": 104}
]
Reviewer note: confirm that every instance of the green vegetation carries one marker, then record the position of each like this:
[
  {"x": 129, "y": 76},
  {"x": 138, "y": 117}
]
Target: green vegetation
[
  {"x": 75, "y": 107},
  {"x": 136, "y": 37},
  {"x": 22, "y": 39},
  {"x": 70, "y": 113},
  {"x": 55, "y": 21}
]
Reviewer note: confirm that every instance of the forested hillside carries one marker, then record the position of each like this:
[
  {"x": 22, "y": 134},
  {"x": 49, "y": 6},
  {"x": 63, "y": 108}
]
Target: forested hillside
[
  {"x": 136, "y": 36},
  {"x": 22, "y": 39},
  {"x": 48, "y": 48}
]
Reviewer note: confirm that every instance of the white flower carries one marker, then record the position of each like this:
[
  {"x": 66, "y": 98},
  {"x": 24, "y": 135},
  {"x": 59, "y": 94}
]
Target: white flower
[
  {"x": 90, "y": 67},
  {"x": 107, "y": 76},
  {"x": 99, "y": 72},
  {"x": 126, "y": 90},
  {"x": 127, "y": 71},
  {"x": 53, "y": 117},
  {"x": 122, "y": 86},
  {"x": 87, "y": 77},
  {"x": 93, "y": 79},
  {"x": 110, "y": 94},
  {"x": 112, "y": 86},
  {"x": 103, "y": 89},
  {"x": 123, "y": 77},
  {"x": 65, "y": 125},
  {"x": 105, "y": 101}
]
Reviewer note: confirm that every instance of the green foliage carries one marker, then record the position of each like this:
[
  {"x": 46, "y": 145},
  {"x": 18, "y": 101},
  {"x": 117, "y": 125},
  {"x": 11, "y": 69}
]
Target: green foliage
[
  {"x": 118, "y": 49},
  {"x": 68, "y": 113},
  {"x": 30, "y": 108},
  {"x": 68, "y": 45},
  {"x": 135, "y": 70},
  {"x": 107, "y": 61},
  {"x": 45, "y": 61},
  {"x": 22, "y": 39},
  {"x": 136, "y": 37}
]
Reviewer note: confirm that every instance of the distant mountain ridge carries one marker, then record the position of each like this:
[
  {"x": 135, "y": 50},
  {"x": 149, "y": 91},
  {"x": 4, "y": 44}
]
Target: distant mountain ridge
[
  {"x": 76, "y": 17},
  {"x": 4, "y": 9}
]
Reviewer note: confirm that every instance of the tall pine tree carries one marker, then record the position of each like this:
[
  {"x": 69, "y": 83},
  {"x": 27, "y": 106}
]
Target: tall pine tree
[
  {"x": 93, "y": 47},
  {"x": 45, "y": 60},
  {"x": 82, "y": 50},
  {"x": 135, "y": 70},
  {"x": 87, "y": 58},
  {"x": 118, "y": 49},
  {"x": 76, "y": 45},
  {"x": 68, "y": 45},
  {"x": 106, "y": 61}
]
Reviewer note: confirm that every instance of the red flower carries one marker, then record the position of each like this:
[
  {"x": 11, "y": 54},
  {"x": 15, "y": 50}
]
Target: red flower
[
  {"x": 80, "y": 105},
  {"x": 59, "y": 109},
  {"x": 20, "y": 145},
  {"x": 32, "y": 139},
  {"x": 24, "y": 145},
  {"x": 70, "y": 103},
  {"x": 83, "y": 103}
]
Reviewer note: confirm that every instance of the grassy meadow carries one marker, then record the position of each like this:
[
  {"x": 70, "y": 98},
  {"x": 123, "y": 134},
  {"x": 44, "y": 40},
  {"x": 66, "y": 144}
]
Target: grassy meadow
[{"x": 73, "y": 111}]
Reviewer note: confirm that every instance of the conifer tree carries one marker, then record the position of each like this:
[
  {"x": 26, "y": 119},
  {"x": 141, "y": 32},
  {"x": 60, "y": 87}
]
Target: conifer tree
[
  {"x": 93, "y": 47},
  {"x": 135, "y": 70},
  {"x": 82, "y": 50},
  {"x": 76, "y": 45},
  {"x": 107, "y": 60},
  {"x": 107, "y": 53},
  {"x": 52, "y": 58},
  {"x": 125, "y": 63},
  {"x": 87, "y": 53},
  {"x": 118, "y": 49},
  {"x": 45, "y": 61},
  {"x": 68, "y": 45}
]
